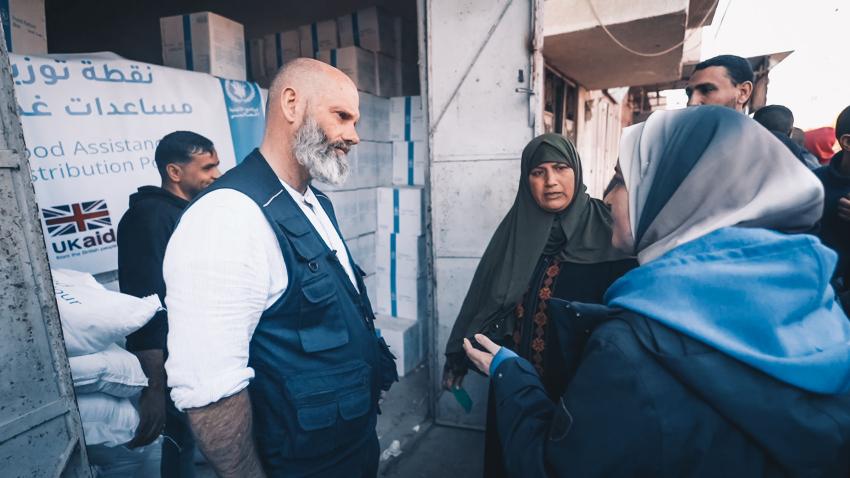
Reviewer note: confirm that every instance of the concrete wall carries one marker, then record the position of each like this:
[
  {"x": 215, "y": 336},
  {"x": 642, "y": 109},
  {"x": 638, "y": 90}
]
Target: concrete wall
[{"x": 475, "y": 152}]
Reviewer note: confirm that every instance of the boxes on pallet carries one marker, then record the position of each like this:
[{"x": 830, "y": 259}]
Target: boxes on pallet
[
  {"x": 404, "y": 337},
  {"x": 280, "y": 47},
  {"x": 374, "y": 118},
  {"x": 256, "y": 60},
  {"x": 407, "y": 119},
  {"x": 409, "y": 159},
  {"x": 345, "y": 209},
  {"x": 25, "y": 26},
  {"x": 204, "y": 42},
  {"x": 370, "y": 28},
  {"x": 400, "y": 255},
  {"x": 400, "y": 210},
  {"x": 363, "y": 251},
  {"x": 317, "y": 36},
  {"x": 389, "y": 75},
  {"x": 355, "y": 211},
  {"x": 357, "y": 63},
  {"x": 400, "y": 296}
]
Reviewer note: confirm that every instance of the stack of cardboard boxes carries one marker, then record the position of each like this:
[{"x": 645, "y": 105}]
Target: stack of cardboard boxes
[
  {"x": 366, "y": 45},
  {"x": 402, "y": 292},
  {"x": 25, "y": 26},
  {"x": 204, "y": 42}
]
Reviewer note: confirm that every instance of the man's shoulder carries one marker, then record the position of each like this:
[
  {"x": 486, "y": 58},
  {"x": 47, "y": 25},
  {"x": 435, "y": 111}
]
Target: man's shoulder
[
  {"x": 149, "y": 211},
  {"x": 223, "y": 201}
]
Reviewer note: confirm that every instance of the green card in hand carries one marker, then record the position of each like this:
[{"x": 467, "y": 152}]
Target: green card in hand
[{"x": 462, "y": 398}]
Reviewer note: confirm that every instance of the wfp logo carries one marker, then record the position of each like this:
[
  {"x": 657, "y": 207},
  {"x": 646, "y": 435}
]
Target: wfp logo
[
  {"x": 239, "y": 91},
  {"x": 88, "y": 219}
]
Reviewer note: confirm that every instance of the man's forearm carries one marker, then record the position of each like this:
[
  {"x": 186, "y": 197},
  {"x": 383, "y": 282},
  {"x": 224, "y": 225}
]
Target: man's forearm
[
  {"x": 152, "y": 362},
  {"x": 224, "y": 433}
]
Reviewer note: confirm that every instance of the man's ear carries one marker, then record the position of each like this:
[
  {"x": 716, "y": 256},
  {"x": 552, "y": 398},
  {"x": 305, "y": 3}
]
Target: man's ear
[
  {"x": 844, "y": 142},
  {"x": 174, "y": 172},
  {"x": 745, "y": 90},
  {"x": 289, "y": 105}
]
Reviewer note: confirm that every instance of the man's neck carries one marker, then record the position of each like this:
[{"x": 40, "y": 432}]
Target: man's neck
[
  {"x": 844, "y": 164},
  {"x": 173, "y": 189},
  {"x": 285, "y": 166}
]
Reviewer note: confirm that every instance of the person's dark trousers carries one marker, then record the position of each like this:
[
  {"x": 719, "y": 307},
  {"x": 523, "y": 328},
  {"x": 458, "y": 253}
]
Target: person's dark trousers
[
  {"x": 178, "y": 445},
  {"x": 370, "y": 455},
  {"x": 494, "y": 462}
]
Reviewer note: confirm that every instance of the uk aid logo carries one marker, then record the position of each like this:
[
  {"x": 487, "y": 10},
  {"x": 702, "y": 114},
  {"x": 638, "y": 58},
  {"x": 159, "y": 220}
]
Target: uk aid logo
[{"x": 79, "y": 228}]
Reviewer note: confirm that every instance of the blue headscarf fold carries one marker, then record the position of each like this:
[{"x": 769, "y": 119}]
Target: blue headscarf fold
[{"x": 758, "y": 295}]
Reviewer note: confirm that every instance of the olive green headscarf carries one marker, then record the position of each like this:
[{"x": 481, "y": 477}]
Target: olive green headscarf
[{"x": 579, "y": 234}]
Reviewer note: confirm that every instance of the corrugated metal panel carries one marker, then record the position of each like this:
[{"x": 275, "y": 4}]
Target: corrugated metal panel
[
  {"x": 40, "y": 432},
  {"x": 483, "y": 65}
]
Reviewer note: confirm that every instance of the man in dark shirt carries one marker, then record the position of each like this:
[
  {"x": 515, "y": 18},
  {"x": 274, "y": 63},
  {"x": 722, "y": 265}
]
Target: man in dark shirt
[
  {"x": 835, "y": 225},
  {"x": 779, "y": 120},
  {"x": 187, "y": 163}
]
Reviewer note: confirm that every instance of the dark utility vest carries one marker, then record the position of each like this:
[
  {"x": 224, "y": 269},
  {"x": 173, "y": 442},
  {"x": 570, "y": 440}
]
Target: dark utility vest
[{"x": 318, "y": 363}]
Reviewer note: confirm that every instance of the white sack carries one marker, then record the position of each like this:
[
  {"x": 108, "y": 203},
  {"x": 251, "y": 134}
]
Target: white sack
[
  {"x": 93, "y": 317},
  {"x": 114, "y": 371},
  {"x": 107, "y": 420}
]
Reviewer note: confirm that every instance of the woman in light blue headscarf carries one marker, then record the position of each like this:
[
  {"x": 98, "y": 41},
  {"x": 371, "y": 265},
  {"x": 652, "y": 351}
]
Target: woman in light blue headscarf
[{"x": 725, "y": 353}]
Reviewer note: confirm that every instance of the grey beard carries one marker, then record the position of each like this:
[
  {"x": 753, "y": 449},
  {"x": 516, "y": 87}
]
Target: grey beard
[{"x": 313, "y": 150}]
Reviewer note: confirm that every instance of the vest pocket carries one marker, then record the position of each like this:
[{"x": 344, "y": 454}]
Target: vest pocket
[
  {"x": 321, "y": 326},
  {"x": 331, "y": 407}
]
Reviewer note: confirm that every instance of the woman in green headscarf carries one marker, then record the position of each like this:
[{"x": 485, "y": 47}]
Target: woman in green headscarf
[{"x": 554, "y": 242}]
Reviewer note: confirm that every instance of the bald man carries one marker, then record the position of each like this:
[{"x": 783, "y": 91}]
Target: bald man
[{"x": 273, "y": 351}]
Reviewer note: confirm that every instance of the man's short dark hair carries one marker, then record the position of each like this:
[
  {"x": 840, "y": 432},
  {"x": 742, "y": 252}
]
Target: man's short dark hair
[
  {"x": 775, "y": 118},
  {"x": 178, "y": 147},
  {"x": 842, "y": 124},
  {"x": 738, "y": 68}
]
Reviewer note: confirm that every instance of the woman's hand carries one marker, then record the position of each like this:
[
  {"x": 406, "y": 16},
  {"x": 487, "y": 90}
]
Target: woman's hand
[{"x": 481, "y": 359}]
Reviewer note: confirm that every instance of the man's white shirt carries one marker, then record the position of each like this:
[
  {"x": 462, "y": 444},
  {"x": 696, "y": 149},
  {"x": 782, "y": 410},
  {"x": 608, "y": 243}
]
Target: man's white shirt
[{"x": 223, "y": 268}]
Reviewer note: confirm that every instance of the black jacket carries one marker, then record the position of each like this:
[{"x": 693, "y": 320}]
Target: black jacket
[
  {"x": 835, "y": 232},
  {"x": 143, "y": 234},
  {"x": 804, "y": 156},
  {"x": 644, "y": 400}
]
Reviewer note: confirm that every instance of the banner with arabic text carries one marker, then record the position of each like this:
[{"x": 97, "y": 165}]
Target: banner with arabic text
[{"x": 91, "y": 125}]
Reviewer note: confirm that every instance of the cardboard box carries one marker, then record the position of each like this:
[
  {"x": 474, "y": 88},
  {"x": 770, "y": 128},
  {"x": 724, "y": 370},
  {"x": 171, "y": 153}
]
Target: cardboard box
[
  {"x": 357, "y": 63},
  {"x": 407, "y": 119},
  {"x": 318, "y": 36},
  {"x": 404, "y": 337},
  {"x": 374, "y": 118},
  {"x": 370, "y": 28},
  {"x": 204, "y": 42},
  {"x": 256, "y": 59},
  {"x": 279, "y": 48},
  {"x": 400, "y": 210},
  {"x": 409, "y": 160},
  {"x": 345, "y": 209},
  {"x": 369, "y": 162},
  {"x": 400, "y": 297},
  {"x": 25, "y": 26},
  {"x": 389, "y": 75},
  {"x": 400, "y": 255},
  {"x": 355, "y": 211}
]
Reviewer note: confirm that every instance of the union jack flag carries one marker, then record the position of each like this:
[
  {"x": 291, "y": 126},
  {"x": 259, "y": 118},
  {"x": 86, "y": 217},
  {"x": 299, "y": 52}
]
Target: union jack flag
[{"x": 77, "y": 217}]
